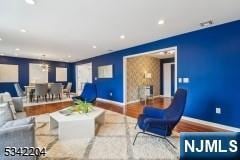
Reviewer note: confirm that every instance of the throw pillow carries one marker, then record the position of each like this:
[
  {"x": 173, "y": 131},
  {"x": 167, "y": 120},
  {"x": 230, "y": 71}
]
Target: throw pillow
[
  {"x": 19, "y": 122},
  {"x": 8, "y": 99},
  {"x": 5, "y": 113}
]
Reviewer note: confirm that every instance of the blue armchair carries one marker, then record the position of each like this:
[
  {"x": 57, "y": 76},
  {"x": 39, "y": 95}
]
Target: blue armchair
[
  {"x": 160, "y": 122},
  {"x": 89, "y": 93}
]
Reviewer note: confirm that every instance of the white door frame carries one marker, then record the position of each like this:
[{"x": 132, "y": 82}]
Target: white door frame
[
  {"x": 141, "y": 54},
  {"x": 76, "y": 73}
]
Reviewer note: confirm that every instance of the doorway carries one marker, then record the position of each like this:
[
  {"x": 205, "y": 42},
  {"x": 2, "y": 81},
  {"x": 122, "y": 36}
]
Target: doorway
[
  {"x": 167, "y": 88},
  {"x": 83, "y": 76},
  {"x": 168, "y": 79}
]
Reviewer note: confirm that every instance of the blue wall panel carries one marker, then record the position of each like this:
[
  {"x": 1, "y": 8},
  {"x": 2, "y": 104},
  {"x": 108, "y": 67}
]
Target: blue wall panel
[
  {"x": 23, "y": 64},
  {"x": 209, "y": 57}
]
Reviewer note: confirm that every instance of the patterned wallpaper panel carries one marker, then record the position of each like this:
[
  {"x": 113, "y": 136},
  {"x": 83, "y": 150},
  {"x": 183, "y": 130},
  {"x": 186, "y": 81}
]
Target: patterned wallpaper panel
[{"x": 136, "y": 68}]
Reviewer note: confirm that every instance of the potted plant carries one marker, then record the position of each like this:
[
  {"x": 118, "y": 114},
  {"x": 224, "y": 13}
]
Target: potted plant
[{"x": 81, "y": 107}]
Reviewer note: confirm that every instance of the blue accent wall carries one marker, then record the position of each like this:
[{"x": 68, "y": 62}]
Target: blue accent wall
[
  {"x": 23, "y": 64},
  {"x": 209, "y": 57}
]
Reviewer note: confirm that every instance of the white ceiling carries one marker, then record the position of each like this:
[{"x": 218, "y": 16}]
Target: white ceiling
[{"x": 59, "y": 28}]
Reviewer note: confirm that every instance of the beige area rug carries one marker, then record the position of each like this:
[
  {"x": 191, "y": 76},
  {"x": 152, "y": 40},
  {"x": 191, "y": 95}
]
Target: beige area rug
[{"x": 112, "y": 142}]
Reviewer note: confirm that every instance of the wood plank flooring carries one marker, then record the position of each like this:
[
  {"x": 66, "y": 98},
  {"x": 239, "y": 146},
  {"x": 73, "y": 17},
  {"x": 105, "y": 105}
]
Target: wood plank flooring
[
  {"x": 132, "y": 110},
  {"x": 46, "y": 108}
]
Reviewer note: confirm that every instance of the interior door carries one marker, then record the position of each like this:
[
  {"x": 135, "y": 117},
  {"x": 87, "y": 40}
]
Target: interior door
[
  {"x": 172, "y": 79},
  {"x": 84, "y": 75},
  {"x": 167, "y": 79}
]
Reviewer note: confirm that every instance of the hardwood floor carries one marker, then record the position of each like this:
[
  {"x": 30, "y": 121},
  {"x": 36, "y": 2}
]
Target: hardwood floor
[
  {"x": 46, "y": 108},
  {"x": 132, "y": 110}
]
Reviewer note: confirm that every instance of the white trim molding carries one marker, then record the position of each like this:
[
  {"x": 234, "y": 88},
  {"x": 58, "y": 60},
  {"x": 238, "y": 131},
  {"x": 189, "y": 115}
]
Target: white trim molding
[
  {"x": 111, "y": 102},
  {"x": 199, "y": 121},
  {"x": 212, "y": 124},
  {"x": 141, "y": 54}
]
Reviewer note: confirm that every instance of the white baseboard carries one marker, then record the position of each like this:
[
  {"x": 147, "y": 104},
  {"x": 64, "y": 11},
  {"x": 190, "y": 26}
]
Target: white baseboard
[
  {"x": 203, "y": 122},
  {"x": 138, "y": 100},
  {"x": 135, "y": 101},
  {"x": 212, "y": 124},
  {"x": 110, "y": 101}
]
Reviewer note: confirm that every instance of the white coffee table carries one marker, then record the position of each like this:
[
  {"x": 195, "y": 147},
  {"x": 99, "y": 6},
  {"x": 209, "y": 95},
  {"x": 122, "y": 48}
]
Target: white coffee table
[{"x": 77, "y": 125}]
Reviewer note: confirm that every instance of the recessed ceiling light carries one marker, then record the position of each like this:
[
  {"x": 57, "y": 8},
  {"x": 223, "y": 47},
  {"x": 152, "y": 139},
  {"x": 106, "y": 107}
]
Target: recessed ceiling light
[
  {"x": 23, "y": 30},
  {"x": 207, "y": 23},
  {"x": 1, "y": 54},
  {"x": 161, "y": 22},
  {"x": 16, "y": 54},
  {"x": 17, "y": 49},
  {"x": 0, "y": 39},
  {"x": 161, "y": 53},
  {"x": 32, "y": 2},
  {"x": 69, "y": 56},
  {"x": 172, "y": 52},
  {"x": 94, "y": 46},
  {"x": 122, "y": 36}
]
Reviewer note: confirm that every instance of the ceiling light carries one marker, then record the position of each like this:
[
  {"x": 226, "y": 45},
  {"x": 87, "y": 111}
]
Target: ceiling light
[
  {"x": 43, "y": 65},
  {"x": 207, "y": 23},
  {"x": 1, "y": 54},
  {"x": 122, "y": 36},
  {"x": 17, "y": 49},
  {"x": 0, "y": 39},
  {"x": 69, "y": 56},
  {"x": 94, "y": 47},
  {"x": 161, "y": 22},
  {"x": 32, "y": 2},
  {"x": 16, "y": 54},
  {"x": 23, "y": 30},
  {"x": 161, "y": 53},
  {"x": 172, "y": 52}
]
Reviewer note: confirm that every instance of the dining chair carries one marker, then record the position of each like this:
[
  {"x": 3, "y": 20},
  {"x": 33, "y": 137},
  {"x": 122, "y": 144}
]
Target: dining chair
[
  {"x": 56, "y": 90},
  {"x": 68, "y": 88},
  {"x": 41, "y": 90},
  {"x": 20, "y": 92}
]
